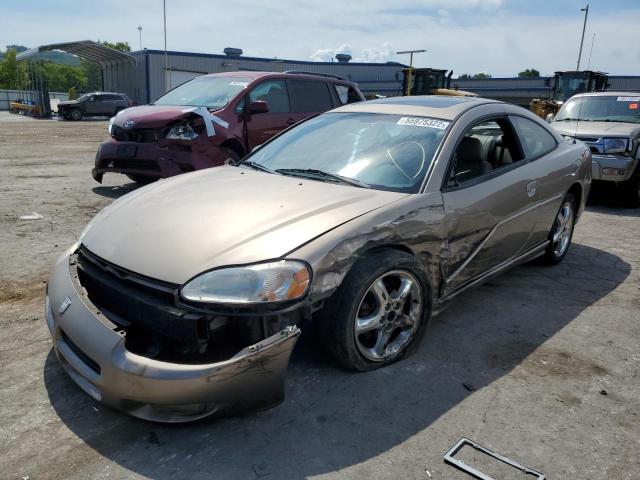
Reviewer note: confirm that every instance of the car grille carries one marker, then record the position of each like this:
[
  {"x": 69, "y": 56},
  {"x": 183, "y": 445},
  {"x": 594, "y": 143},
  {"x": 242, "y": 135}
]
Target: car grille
[
  {"x": 130, "y": 300},
  {"x": 140, "y": 135}
]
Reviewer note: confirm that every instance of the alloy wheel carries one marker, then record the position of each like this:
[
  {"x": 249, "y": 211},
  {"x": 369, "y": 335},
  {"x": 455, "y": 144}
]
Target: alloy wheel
[
  {"x": 388, "y": 315},
  {"x": 564, "y": 227}
]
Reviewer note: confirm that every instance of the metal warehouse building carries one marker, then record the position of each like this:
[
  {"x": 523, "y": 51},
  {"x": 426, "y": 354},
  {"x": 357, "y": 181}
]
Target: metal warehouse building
[{"x": 145, "y": 79}]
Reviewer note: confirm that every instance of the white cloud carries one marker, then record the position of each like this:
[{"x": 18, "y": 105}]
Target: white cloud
[
  {"x": 381, "y": 54},
  {"x": 327, "y": 54},
  {"x": 467, "y": 36}
]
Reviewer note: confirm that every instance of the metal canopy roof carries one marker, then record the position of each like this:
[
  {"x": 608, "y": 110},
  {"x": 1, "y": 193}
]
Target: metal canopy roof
[{"x": 87, "y": 49}]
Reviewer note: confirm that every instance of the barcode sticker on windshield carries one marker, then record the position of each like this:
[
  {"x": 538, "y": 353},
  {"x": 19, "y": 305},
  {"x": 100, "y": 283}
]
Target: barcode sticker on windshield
[
  {"x": 629, "y": 99},
  {"x": 423, "y": 122}
]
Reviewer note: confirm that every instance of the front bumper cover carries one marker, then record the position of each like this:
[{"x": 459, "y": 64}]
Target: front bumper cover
[
  {"x": 612, "y": 168},
  {"x": 159, "y": 160},
  {"x": 92, "y": 351}
]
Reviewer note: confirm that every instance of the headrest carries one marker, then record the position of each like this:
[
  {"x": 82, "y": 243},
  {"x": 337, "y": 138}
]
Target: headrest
[{"x": 469, "y": 149}]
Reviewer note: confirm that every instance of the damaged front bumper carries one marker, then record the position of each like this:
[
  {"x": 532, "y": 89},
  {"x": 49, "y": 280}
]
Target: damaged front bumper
[
  {"x": 91, "y": 349},
  {"x": 159, "y": 159}
]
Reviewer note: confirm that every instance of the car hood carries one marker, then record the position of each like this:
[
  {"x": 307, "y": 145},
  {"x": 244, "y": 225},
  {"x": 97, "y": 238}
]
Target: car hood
[
  {"x": 597, "y": 129},
  {"x": 69, "y": 102},
  {"x": 227, "y": 215},
  {"x": 152, "y": 116}
]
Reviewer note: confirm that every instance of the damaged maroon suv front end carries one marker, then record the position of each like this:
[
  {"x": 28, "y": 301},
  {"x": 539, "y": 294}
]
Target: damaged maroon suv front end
[
  {"x": 214, "y": 120},
  {"x": 158, "y": 141}
]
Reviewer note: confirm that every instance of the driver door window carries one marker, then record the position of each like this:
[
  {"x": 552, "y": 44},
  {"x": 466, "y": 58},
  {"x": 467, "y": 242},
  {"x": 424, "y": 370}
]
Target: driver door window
[
  {"x": 274, "y": 92},
  {"x": 262, "y": 126},
  {"x": 487, "y": 147}
]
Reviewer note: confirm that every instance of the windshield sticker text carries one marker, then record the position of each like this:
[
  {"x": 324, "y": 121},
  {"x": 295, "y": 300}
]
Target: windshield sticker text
[
  {"x": 629, "y": 99},
  {"x": 423, "y": 122},
  {"x": 239, "y": 84}
]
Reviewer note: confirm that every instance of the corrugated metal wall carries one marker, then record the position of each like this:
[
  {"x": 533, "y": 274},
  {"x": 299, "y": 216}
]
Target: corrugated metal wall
[
  {"x": 521, "y": 90},
  {"x": 145, "y": 81}
]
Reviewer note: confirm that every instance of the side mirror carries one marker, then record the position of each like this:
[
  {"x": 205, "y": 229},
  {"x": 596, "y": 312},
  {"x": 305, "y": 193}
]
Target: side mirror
[
  {"x": 549, "y": 117},
  {"x": 258, "y": 106}
]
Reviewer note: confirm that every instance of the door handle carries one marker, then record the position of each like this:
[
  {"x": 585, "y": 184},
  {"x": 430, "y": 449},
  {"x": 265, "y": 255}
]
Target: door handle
[
  {"x": 531, "y": 188},
  {"x": 290, "y": 121}
]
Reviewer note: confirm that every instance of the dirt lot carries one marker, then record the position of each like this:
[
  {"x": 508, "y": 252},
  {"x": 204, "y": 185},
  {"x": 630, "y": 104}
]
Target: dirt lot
[{"x": 541, "y": 365}]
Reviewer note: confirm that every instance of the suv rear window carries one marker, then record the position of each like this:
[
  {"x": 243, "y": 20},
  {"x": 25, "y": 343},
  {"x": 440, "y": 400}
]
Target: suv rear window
[{"x": 309, "y": 96}]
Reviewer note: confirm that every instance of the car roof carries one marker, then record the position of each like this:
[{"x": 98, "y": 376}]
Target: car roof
[
  {"x": 438, "y": 106},
  {"x": 254, "y": 75},
  {"x": 608, "y": 93},
  {"x": 104, "y": 93}
]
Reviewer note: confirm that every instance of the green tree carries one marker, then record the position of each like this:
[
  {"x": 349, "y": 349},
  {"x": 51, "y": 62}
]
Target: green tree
[
  {"x": 60, "y": 78},
  {"x": 481, "y": 76},
  {"x": 464, "y": 76},
  {"x": 122, "y": 46},
  {"x": 13, "y": 75},
  {"x": 529, "y": 72}
]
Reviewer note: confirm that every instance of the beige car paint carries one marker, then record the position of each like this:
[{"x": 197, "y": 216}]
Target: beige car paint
[{"x": 225, "y": 216}]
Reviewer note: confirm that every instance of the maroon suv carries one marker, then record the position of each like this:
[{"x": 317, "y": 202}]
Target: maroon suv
[{"x": 212, "y": 120}]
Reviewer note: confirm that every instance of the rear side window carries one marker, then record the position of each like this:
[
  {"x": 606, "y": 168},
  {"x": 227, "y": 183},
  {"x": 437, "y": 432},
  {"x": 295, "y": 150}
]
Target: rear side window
[
  {"x": 346, "y": 94},
  {"x": 309, "y": 96},
  {"x": 535, "y": 140},
  {"x": 274, "y": 92},
  {"x": 111, "y": 97}
]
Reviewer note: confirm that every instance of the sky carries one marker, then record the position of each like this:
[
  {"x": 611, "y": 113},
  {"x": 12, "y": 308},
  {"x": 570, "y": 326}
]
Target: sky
[{"x": 500, "y": 37}]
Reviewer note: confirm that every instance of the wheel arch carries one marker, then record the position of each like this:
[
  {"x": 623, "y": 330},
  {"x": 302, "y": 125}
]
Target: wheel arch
[
  {"x": 235, "y": 145},
  {"x": 576, "y": 191}
]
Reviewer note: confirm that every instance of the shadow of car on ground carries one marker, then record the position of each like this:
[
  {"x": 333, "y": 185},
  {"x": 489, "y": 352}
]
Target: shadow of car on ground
[{"x": 332, "y": 419}]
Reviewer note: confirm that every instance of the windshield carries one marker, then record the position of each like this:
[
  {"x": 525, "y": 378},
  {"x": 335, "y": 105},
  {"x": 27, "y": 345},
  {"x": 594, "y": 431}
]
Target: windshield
[
  {"x": 601, "y": 109},
  {"x": 210, "y": 92},
  {"x": 84, "y": 97},
  {"x": 386, "y": 152}
]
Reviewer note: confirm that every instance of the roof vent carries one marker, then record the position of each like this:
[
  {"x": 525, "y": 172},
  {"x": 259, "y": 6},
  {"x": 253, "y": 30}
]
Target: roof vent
[
  {"x": 343, "y": 57},
  {"x": 232, "y": 52}
]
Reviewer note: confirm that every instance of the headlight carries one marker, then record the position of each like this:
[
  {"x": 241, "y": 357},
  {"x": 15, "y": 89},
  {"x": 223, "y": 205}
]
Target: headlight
[
  {"x": 615, "y": 145},
  {"x": 260, "y": 283},
  {"x": 110, "y": 127},
  {"x": 182, "y": 131}
]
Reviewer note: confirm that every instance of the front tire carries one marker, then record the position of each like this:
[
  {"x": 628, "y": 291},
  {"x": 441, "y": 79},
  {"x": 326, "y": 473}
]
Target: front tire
[
  {"x": 141, "y": 179},
  {"x": 379, "y": 313},
  {"x": 231, "y": 156},
  {"x": 561, "y": 232},
  {"x": 76, "y": 114}
]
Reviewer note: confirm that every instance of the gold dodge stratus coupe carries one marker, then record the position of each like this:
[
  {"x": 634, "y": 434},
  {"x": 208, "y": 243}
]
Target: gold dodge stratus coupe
[{"x": 185, "y": 298}]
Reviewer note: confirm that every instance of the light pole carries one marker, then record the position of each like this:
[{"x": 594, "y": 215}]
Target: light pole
[
  {"x": 584, "y": 27},
  {"x": 166, "y": 59},
  {"x": 410, "y": 52},
  {"x": 140, "y": 34}
]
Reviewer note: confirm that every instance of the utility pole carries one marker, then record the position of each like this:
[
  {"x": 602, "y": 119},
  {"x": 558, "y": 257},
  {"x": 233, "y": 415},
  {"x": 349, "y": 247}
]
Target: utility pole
[
  {"x": 410, "y": 52},
  {"x": 166, "y": 59},
  {"x": 140, "y": 33},
  {"x": 584, "y": 27}
]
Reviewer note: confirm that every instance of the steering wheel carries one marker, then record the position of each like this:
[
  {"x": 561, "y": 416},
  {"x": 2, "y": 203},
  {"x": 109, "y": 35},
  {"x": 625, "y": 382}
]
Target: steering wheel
[{"x": 405, "y": 154}]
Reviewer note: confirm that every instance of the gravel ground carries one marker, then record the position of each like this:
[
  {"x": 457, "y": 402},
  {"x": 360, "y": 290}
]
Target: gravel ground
[{"x": 541, "y": 364}]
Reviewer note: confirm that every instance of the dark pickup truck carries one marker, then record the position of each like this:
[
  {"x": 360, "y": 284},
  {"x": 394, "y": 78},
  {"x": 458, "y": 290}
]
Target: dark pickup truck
[{"x": 94, "y": 104}]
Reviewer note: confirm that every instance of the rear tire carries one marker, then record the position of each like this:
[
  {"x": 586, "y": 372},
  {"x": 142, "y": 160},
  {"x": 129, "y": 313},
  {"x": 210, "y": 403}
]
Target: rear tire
[
  {"x": 141, "y": 179},
  {"x": 369, "y": 322},
  {"x": 76, "y": 114},
  {"x": 561, "y": 231}
]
